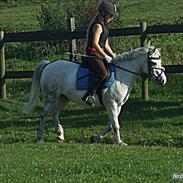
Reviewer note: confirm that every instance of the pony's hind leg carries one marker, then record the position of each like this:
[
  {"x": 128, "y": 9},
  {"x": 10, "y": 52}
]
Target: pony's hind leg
[
  {"x": 60, "y": 104},
  {"x": 40, "y": 130}
]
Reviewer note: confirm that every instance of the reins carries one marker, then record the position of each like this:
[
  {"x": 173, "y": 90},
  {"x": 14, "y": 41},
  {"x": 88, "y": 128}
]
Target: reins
[
  {"x": 143, "y": 75},
  {"x": 132, "y": 72},
  {"x": 119, "y": 67}
]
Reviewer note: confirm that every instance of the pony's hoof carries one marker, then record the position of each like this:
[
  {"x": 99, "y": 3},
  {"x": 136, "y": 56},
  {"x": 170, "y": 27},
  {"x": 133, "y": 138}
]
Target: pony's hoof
[
  {"x": 93, "y": 139},
  {"x": 123, "y": 144},
  {"x": 40, "y": 141},
  {"x": 60, "y": 140}
]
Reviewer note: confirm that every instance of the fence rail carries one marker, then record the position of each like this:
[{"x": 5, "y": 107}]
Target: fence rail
[
  {"x": 71, "y": 34},
  {"x": 63, "y": 34},
  {"x": 172, "y": 69}
]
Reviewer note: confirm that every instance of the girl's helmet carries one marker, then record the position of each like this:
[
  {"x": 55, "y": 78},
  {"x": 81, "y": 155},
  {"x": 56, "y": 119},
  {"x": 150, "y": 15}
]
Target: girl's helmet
[{"x": 107, "y": 8}]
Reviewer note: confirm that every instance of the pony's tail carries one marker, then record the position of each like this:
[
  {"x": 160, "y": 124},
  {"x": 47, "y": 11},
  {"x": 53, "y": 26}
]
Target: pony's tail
[{"x": 35, "y": 87}]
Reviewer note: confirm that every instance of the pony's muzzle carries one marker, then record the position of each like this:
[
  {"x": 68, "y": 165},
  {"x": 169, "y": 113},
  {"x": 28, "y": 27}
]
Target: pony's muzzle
[{"x": 162, "y": 79}]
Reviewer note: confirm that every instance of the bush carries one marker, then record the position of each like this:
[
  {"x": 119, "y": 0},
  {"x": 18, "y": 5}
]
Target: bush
[{"x": 55, "y": 15}]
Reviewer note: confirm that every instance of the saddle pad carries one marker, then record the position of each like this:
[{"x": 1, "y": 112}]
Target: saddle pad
[{"x": 84, "y": 77}]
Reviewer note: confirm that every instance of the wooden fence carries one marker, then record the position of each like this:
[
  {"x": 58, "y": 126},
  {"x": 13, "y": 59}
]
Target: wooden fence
[{"x": 71, "y": 35}]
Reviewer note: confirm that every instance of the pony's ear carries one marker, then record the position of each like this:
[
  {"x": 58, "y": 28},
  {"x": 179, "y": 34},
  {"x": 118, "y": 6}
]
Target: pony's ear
[
  {"x": 152, "y": 50},
  {"x": 149, "y": 43}
]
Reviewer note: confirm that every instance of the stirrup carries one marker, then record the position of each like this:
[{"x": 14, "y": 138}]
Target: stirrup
[{"x": 90, "y": 100}]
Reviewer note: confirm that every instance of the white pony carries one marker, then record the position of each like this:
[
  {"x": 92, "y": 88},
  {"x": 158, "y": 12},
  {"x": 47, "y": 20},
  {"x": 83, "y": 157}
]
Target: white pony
[{"x": 58, "y": 84}]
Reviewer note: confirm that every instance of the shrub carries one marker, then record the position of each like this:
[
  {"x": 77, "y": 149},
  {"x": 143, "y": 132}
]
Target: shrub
[{"x": 55, "y": 16}]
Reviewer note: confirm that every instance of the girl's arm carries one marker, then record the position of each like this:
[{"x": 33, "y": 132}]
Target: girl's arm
[
  {"x": 108, "y": 49},
  {"x": 96, "y": 37},
  {"x": 102, "y": 54}
]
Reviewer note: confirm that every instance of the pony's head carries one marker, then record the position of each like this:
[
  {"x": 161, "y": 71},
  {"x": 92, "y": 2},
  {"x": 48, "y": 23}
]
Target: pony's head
[
  {"x": 151, "y": 62},
  {"x": 153, "y": 68}
]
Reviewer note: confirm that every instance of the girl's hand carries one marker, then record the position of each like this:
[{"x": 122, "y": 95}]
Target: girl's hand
[{"x": 108, "y": 59}]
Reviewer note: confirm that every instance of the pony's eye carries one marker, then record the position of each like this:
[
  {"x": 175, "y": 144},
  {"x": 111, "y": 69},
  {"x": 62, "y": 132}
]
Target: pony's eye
[{"x": 153, "y": 63}]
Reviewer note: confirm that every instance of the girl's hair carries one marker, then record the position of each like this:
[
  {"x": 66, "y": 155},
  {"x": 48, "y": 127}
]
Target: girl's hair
[{"x": 94, "y": 19}]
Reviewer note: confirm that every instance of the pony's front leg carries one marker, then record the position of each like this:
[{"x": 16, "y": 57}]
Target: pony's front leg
[
  {"x": 113, "y": 111},
  {"x": 61, "y": 102},
  {"x": 101, "y": 134}
]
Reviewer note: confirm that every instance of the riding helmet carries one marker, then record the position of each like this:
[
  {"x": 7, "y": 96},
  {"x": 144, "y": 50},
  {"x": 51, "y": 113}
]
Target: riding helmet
[{"x": 107, "y": 8}]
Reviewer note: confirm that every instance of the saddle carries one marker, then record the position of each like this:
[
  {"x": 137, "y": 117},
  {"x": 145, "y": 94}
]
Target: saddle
[{"x": 85, "y": 75}]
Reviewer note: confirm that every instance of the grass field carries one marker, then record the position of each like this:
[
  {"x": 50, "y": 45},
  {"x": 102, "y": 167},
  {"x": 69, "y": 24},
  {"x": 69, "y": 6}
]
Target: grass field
[
  {"x": 153, "y": 129},
  {"x": 21, "y": 15},
  {"x": 88, "y": 163}
]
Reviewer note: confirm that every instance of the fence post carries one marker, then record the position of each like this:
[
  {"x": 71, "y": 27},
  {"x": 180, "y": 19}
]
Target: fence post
[
  {"x": 143, "y": 42},
  {"x": 2, "y": 67},
  {"x": 72, "y": 42}
]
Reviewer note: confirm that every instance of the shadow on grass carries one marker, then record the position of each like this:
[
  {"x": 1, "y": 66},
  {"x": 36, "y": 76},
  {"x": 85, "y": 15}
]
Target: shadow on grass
[
  {"x": 133, "y": 111},
  {"x": 4, "y": 109},
  {"x": 140, "y": 110}
]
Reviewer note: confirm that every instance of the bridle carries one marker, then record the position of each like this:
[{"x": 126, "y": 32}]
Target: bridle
[{"x": 150, "y": 68}]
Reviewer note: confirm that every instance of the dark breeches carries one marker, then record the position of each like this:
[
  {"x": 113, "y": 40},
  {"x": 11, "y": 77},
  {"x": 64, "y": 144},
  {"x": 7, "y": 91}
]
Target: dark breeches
[
  {"x": 99, "y": 67},
  {"x": 100, "y": 70}
]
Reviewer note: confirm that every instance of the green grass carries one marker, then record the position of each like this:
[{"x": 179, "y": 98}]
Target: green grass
[
  {"x": 12, "y": 16},
  {"x": 153, "y": 130},
  {"x": 88, "y": 163},
  {"x": 22, "y": 15},
  {"x": 154, "y": 12}
]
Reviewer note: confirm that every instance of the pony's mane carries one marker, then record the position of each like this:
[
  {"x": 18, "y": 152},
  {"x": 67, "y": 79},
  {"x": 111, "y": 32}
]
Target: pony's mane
[{"x": 130, "y": 55}]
